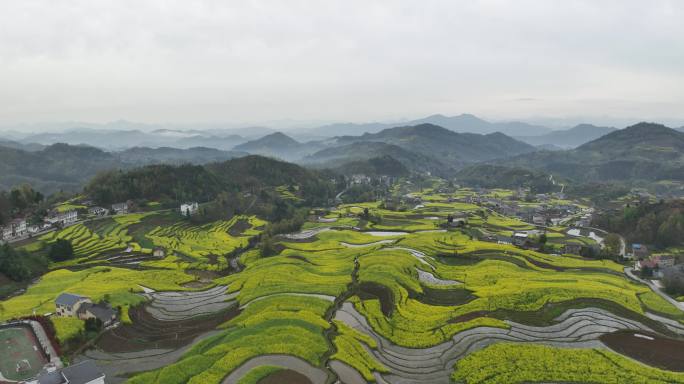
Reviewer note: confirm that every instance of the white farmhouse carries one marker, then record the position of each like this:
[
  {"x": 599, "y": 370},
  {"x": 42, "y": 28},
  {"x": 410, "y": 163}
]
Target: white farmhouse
[
  {"x": 98, "y": 211},
  {"x": 68, "y": 304},
  {"x": 189, "y": 209},
  {"x": 19, "y": 227},
  {"x": 6, "y": 232},
  {"x": 120, "y": 208},
  {"x": 63, "y": 218}
]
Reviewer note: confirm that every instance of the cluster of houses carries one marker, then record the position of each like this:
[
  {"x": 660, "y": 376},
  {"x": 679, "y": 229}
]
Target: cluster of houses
[
  {"x": 20, "y": 228},
  {"x": 545, "y": 213},
  {"x": 358, "y": 179},
  {"x": 655, "y": 265},
  {"x": 395, "y": 203}
]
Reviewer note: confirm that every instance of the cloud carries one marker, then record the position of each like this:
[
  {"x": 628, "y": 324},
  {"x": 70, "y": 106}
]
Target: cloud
[{"x": 181, "y": 61}]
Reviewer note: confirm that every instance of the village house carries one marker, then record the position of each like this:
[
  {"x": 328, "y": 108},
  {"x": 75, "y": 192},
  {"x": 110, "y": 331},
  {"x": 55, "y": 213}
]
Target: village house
[
  {"x": 68, "y": 304},
  {"x": 189, "y": 209},
  {"x": 539, "y": 219},
  {"x": 121, "y": 208},
  {"x": 33, "y": 229},
  {"x": 98, "y": 211},
  {"x": 85, "y": 372},
  {"x": 584, "y": 221},
  {"x": 102, "y": 312},
  {"x": 665, "y": 261},
  {"x": 16, "y": 228},
  {"x": 520, "y": 239},
  {"x": 63, "y": 218},
  {"x": 81, "y": 307},
  {"x": 360, "y": 179},
  {"x": 640, "y": 251},
  {"x": 6, "y": 232},
  {"x": 159, "y": 252}
]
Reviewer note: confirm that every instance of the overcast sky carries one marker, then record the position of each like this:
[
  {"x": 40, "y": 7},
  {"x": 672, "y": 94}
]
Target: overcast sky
[{"x": 183, "y": 61}]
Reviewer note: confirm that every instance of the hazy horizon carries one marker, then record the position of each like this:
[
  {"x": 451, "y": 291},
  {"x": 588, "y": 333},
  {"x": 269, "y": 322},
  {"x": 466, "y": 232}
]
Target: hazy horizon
[
  {"x": 298, "y": 126},
  {"x": 308, "y": 63}
]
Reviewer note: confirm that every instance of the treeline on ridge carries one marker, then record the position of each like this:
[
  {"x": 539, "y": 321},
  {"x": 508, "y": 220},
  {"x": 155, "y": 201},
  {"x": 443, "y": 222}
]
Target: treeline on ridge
[{"x": 204, "y": 183}]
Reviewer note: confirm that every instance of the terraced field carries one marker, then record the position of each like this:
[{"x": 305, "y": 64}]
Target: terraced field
[
  {"x": 401, "y": 304},
  {"x": 402, "y": 300},
  {"x": 128, "y": 240}
]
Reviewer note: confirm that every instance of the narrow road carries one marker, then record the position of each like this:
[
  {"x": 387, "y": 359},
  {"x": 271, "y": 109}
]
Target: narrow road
[{"x": 630, "y": 273}]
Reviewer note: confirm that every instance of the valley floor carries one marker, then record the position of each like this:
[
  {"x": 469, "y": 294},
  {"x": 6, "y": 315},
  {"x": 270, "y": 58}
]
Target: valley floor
[{"x": 361, "y": 296}]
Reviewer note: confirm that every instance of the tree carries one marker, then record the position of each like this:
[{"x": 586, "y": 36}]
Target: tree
[
  {"x": 13, "y": 264},
  {"x": 93, "y": 324},
  {"x": 612, "y": 245},
  {"x": 61, "y": 250},
  {"x": 542, "y": 239},
  {"x": 673, "y": 280},
  {"x": 267, "y": 247}
]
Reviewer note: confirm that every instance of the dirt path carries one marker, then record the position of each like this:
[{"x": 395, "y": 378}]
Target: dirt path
[{"x": 630, "y": 273}]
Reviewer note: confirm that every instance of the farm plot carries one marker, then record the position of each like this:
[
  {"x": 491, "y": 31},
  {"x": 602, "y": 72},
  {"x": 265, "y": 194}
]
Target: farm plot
[
  {"x": 88, "y": 243},
  {"x": 207, "y": 244},
  {"x": 171, "y": 319},
  {"x": 284, "y": 325},
  {"x": 539, "y": 363},
  {"x": 573, "y": 329},
  {"x": 176, "y": 306}
]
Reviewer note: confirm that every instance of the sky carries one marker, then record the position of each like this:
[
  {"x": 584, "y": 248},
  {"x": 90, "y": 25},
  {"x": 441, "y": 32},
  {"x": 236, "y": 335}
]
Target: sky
[{"x": 261, "y": 62}]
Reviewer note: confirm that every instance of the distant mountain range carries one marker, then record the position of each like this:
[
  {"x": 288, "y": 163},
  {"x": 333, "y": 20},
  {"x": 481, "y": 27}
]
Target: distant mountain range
[
  {"x": 122, "y": 139},
  {"x": 422, "y": 148},
  {"x": 277, "y": 145},
  {"x": 67, "y": 167},
  {"x": 461, "y": 123},
  {"x": 644, "y": 151},
  {"x": 570, "y": 138},
  {"x": 338, "y": 157},
  {"x": 120, "y": 135},
  {"x": 444, "y": 145}
]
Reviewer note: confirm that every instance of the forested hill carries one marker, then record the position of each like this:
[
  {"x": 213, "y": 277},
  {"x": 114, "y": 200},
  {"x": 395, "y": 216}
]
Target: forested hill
[
  {"x": 445, "y": 145},
  {"x": 644, "y": 151},
  {"x": 494, "y": 176},
  {"x": 246, "y": 175},
  {"x": 338, "y": 157},
  {"x": 661, "y": 223},
  {"x": 68, "y": 167},
  {"x": 376, "y": 166},
  {"x": 276, "y": 144}
]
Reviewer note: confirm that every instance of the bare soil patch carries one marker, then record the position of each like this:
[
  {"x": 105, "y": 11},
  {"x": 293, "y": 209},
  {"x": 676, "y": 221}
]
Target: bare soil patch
[
  {"x": 286, "y": 376},
  {"x": 146, "y": 332},
  {"x": 648, "y": 348},
  {"x": 239, "y": 228},
  {"x": 368, "y": 290},
  {"x": 445, "y": 296}
]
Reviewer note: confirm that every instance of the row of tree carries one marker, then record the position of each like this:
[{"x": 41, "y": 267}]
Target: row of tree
[
  {"x": 20, "y": 265},
  {"x": 661, "y": 223},
  {"x": 18, "y": 201}
]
